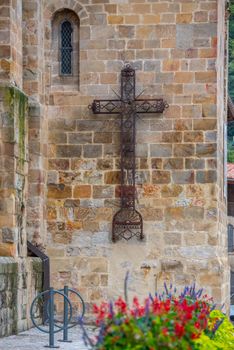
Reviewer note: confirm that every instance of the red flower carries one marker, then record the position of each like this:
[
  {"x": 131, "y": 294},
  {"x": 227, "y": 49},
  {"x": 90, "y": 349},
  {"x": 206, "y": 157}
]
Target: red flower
[
  {"x": 121, "y": 306},
  {"x": 179, "y": 330},
  {"x": 194, "y": 336}
]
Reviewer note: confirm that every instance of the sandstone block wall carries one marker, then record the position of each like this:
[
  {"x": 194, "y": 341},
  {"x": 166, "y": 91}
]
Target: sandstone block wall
[
  {"x": 177, "y": 48},
  {"x": 11, "y": 41},
  {"x": 73, "y": 175},
  {"x": 13, "y": 114},
  {"x": 20, "y": 277},
  {"x": 19, "y": 284}
]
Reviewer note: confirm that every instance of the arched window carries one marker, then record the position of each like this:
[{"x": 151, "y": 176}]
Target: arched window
[
  {"x": 66, "y": 48},
  {"x": 65, "y": 51}
]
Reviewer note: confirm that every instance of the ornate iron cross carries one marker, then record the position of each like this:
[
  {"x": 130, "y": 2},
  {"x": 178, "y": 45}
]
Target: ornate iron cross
[{"x": 127, "y": 222}]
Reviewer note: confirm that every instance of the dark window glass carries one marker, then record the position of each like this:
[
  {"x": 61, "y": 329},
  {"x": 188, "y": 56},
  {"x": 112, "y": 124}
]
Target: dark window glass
[
  {"x": 230, "y": 238},
  {"x": 66, "y": 48}
]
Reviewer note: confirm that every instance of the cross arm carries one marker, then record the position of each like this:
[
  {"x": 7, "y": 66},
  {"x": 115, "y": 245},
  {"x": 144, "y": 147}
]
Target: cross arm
[
  {"x": 140, "y": 106},
  {"x": 150, "y": 105},
  {"x": 106, "y": 106}
]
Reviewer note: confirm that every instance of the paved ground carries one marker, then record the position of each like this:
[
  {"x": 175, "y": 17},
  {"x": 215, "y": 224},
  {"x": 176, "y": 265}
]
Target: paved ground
[{"x": 35, "y": 340}]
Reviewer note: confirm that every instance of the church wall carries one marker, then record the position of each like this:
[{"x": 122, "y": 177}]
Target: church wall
[
  {"x": 13, "y": 112},
  {"x": 20, "y": 277},
  {"x": 173, "y": 46},
  {"x": 20, "y": 282},
  {"x": 33, "y": 84},
  {"x": 11, "y": 41}
]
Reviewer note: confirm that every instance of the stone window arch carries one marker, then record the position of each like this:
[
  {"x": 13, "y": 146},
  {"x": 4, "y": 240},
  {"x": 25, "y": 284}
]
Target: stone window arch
[{"x": 65, "y": 50}]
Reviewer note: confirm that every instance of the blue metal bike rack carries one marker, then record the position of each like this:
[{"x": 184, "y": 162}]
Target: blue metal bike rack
[
  {"x": 66, "y": 291},
  {"x": 67, "y": 314}
]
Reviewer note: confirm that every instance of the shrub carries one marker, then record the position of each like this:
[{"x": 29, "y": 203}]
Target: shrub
[
  {"x": 167, "y": 321},
  {"x": 162, "y": 322},
  {"x": 221, "y": 337}
]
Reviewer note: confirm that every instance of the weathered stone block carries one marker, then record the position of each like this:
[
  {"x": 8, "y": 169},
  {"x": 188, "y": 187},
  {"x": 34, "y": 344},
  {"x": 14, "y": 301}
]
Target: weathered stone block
[
  {"x": 115, "y": 19},
  {"x": 151, "y": 191},
  {"x": 126, "y": 31},
  {"x": 79, "y": 138},
  {"x": 156, "y": 163},
  {"x": 90, "y": 280},
  {"x": 171, "y": 65},
  {"x": 172, "y": 238},
  {"x": 194, "y": 212},
  {"x": 183, "y": 177},
  {"x": 168, "y": 265},
  {"x": 3, "y": 282},
  {"x": 171, "y": 190},
  {"x": 98, "y": 265},
  {"x": 160, "y": 150},
  {"x": 102, "y": 137},
  {"x": 62, "y": 237},
  {"x": 206, "y": 150},
  {"x": 205, "y": 77},
  {"x": 59, "y": 191},
  {"x": 103, "y": 191},
  {"x": 184, "y": 36},
  {"x": 173, "y": 163},
  {"x": 211, "y": 136},
  {"x": 184, "y": 150},
  {"x": 209, "y": 176},
  {"x": 112, "y": 177},
  {"x": 209, "y": 110},
  {"x": 8, "y": 235},
  {"x": 82, "y": 191},
  {"x": 161, "y": 177},
  {"x": 172, "y": 137},
  {"x": 194, "y": 163},
  {"x": 7, "y": 249},
  {"x": 183, "y": 124},
  {"x": 184, "y": 18},
  {"x": 175, "y": 214},
  {"x": 104, "y": 164},
  {"x": 193, "y": 136},
  {"x": 58, "y": 164},
  {"x": 207, "y": 124},
  {"x": 152, "y": 214},
  {"x": 68, "y": 151},
  {"x": 92, "y": 151}
]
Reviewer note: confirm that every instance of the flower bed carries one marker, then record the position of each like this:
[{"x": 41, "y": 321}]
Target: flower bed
[{"x": 166, "y": 321}]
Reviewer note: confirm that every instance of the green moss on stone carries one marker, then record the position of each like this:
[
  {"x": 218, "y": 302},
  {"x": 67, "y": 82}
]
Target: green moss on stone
[
  {"x": 36, "y": 265},
  {"x": 16, "y": 106}
]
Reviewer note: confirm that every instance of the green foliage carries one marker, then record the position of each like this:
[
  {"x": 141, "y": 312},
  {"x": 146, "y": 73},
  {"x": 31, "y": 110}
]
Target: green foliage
[
  {"x": 164, "y": 322},
  {"x": 230, "y": 156},
  {"x": 167, "y": 321},
  {"x": 223, "y": 338}
]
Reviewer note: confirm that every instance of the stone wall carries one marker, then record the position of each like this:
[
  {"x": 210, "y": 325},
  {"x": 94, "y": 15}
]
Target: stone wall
[
  {"x": 11, "y": 64},
  {"x": 20, "y": 277},
  {"x": 14, "y": 135},
  {"x": 178, "y": 50},
  {"x": 33, "y": 84},
  {"x": 20, "y": 282},
  {"x": 173, "y": 46}
]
